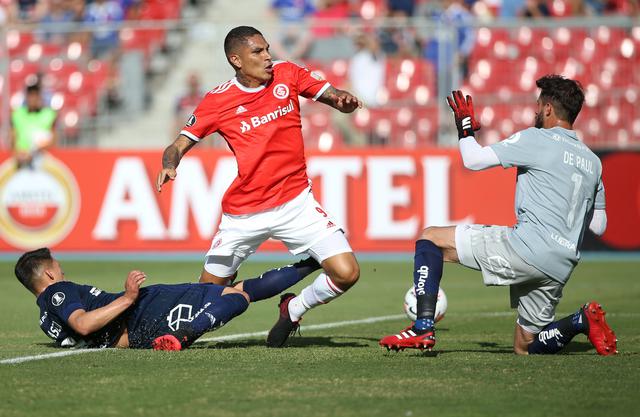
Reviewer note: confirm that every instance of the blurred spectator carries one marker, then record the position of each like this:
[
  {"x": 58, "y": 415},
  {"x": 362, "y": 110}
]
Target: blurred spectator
[
  {"x": 77, "y": 7},
  {"x": 8, "y": 12},
  {"x": 512, "y": 8},
  {"x": 32, "y": 128},
  {"x": 407, "y": 7},
  {"x": 58, "y": 13},
  {"x": 100, "y": 14},
  {"x": 329, "y": 29},
  {"x": 293, "y": 38},
  {"x": 455, "y": 51},
  {"x": 367, "y": 77},
  {"x": 187, "y": 102},
  {"x": 28, "y": 10},
  {"x": 367, "y": 69},
  {"x": 624, "y": 7},
  {"x": 326, "y": 17},
  {"x": 398, "y": 37},
  {"x": 131, "y": 8},
  {"x": 535, "y": 9}
]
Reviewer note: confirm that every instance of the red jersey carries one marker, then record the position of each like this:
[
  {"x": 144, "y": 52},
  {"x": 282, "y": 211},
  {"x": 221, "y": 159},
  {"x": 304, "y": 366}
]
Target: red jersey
[{"x": 263, "y": 130}]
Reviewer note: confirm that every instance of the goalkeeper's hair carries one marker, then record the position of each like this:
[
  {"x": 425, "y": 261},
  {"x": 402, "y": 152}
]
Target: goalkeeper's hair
[
  {"x": 30, "y": 265},
  {"x": 565, "y": 95},
  {"x": 236, "y": 37}
]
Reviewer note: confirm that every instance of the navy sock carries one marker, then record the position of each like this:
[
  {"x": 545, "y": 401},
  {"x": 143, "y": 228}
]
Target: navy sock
[
  {"x": 212, "y": 316},
  {"x": 277, "y": 280},
  {"x": 307, "y": 266},
  {"x": 427, "y": 273},
  {"x": 556, "y": 335}
]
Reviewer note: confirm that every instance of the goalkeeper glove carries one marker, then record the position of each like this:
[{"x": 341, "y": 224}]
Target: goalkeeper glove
[{"x": 464, "y": 115}]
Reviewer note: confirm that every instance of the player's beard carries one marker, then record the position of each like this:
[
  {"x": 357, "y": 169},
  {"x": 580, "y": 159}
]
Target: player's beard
[{"x": 538, "y": 122}]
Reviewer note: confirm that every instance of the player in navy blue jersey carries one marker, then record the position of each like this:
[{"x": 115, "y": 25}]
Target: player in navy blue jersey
[{"x": 165, "y": 317}]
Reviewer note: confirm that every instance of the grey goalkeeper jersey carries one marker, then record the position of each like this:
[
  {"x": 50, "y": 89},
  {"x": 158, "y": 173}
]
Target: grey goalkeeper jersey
[{"x": 558, "y": 186}]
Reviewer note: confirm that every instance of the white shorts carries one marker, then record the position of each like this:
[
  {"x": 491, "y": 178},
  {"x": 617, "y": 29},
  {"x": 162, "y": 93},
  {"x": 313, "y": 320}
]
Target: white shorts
[
  {"x": 533, "y": 293},
  {"x": 301, "y": 224}
]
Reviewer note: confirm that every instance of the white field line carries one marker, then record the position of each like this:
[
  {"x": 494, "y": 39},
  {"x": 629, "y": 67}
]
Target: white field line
[
  {"x": 21, "y": 359},
  {"x": 310, "y": 327}
]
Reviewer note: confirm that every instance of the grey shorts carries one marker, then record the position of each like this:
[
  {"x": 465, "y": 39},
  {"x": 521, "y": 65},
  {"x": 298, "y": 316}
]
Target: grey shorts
[{"x": 533, "y": 293}]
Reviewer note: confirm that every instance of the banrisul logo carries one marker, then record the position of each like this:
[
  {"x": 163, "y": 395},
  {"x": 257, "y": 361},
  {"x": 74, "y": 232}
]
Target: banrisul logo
[{"x": 38, "y": 207}]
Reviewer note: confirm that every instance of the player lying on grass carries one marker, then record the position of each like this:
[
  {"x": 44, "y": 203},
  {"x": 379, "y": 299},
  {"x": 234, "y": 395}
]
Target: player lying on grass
[
  {"x": 165, "y": 317},
  {"x": 559, "y": 192}
]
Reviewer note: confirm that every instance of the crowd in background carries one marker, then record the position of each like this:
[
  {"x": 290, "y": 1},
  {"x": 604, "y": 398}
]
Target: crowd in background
[
  {"x": 307, "y": 31},
  {"x": 67, "y": 14},
  {"x": 304, "y": 24}
]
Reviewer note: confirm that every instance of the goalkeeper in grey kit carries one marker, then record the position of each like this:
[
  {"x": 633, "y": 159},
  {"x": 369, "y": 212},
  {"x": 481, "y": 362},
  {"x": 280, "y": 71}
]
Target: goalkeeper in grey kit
[{"x": 559, "y": 193}]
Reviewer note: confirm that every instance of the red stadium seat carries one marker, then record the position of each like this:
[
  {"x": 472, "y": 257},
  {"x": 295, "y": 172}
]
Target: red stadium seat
[
  {"x": 21, "y": 72},
  {"x": 402, "y": 75},
  {"x": 59, "y": 71},
  {"x": 18, "y": 42}
]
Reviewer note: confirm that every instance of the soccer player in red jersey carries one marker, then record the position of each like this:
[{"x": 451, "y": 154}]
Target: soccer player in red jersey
[{"x": 258, "y": 114}]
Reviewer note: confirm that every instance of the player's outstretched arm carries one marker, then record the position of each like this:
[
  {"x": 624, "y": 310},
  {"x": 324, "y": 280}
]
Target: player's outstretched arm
[
  {"x": 474, "y": 156},
  {"x": 87, "y": 322},
  {"x": 340, "y": 100},
  {"x": 171, "y": 158}
]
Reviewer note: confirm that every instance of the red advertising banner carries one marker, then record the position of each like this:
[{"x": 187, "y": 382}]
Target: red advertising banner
[{"x": 90, "y": 200}]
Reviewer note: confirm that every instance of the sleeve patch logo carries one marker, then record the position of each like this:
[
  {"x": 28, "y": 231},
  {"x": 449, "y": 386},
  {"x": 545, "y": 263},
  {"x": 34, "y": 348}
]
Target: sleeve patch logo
[
  {"x": 317, "y": 76},
  {"x": 191, "y": 121},
  {"x": 57, "y": 299}
]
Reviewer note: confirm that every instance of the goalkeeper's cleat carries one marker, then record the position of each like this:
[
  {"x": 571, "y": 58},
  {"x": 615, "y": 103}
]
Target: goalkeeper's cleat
[
  {"x": 166, "y": 342},
  {"x": 409, "y": 339},
  {"x": 600, "y": 334},
  {"x": 284, "y": 327}
]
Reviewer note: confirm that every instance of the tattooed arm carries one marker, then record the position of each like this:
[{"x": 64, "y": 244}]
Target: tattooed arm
[
  {"x": 340, "y": 100},
  {"x": 171, "y": 158}
]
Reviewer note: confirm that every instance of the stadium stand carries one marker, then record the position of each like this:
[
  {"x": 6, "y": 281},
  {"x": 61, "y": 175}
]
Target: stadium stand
[
  {"x": 77, "y": 84},
  {"x": 502, "y": 69}
]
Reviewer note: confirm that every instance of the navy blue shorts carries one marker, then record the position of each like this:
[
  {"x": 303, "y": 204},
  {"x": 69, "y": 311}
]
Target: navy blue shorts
[{"x": 162, "y": 309}]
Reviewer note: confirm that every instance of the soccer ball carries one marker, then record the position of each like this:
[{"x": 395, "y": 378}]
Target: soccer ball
[{"x": 410, "y": 302}]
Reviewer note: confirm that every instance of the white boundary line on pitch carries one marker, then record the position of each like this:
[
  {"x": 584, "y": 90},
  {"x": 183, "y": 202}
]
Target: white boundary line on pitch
[
  {"x": 21, "y": 359},
  {"x": 369, "y": 320},
  {"x": 236, "y": 336}
]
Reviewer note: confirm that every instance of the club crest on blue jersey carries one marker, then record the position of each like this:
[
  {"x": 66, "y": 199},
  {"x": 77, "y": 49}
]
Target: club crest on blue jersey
[
  {"x": 180, "y": 313},
  {"x": 57, "y": 298}
]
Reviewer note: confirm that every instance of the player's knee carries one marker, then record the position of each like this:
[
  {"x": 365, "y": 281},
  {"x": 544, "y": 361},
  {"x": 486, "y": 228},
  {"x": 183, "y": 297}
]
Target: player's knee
[
  {"x": 520, "y": 350},
  {"x": 430, "y": 233},
  {"x": 208, "y": 278},
  {"x": 346, "y": 274}
]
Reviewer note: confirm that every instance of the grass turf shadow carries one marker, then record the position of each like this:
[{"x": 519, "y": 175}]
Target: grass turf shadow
[{"x": 329, "y": 341}]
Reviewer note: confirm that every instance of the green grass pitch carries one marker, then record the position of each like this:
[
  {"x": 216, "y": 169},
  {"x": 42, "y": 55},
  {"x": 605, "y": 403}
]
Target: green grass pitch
[{"x": 339, "y": 371}]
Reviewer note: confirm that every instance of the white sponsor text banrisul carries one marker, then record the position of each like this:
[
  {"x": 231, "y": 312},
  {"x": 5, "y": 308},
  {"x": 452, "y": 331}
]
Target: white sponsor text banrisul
[{"x": 279, "y": 112}]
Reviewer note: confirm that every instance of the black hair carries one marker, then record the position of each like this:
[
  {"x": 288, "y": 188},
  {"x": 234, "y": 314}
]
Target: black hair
[
  {"x": 27, "y": 267},
  {"x": 565, "y": 95},
  {"x": 33, "y": 88},
  {"x": 236, "y": 37}
]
